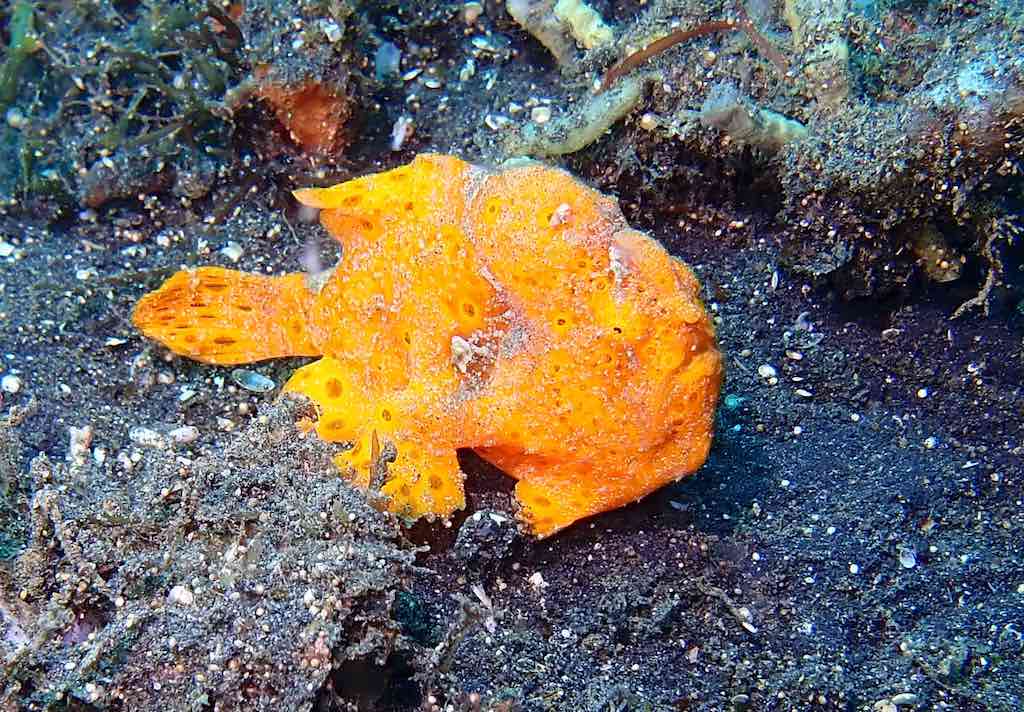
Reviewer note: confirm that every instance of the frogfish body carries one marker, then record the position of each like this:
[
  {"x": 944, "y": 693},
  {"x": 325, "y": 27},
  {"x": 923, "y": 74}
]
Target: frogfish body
[{"x": 513, "y": 312}]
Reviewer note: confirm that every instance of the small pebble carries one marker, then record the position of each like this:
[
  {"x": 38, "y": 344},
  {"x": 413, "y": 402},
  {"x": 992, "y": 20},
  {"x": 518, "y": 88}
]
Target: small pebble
[
  {"x": 146, "y": 437},
  {"x": 471, "y": 12},
  {"x": 16, "y": 118},
  {"x": 732, "y": 401},
  {"x": 496, "y": 122},
  {"x": 233, "y": 251},
  {"x": 908, "y": 559},
  {"x": 331, "y": 30},
  {"x": 6, "y": 249},
  {"x": 400, "y": 132},
  {"x": 252, "y": 381},
  {"x": 649, "y": 122},
  {"x": 181, "y": 595},
  {"x": 766, "y": 371},
  {"x": 540, "y": 114},
  {"x": 184, "y": 435},
  {"x": 10, "y": 383},
  {"x": 905, "y": 698}
]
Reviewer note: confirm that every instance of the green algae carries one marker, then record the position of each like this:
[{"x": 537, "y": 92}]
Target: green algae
[{"x": 24, "y": 42}]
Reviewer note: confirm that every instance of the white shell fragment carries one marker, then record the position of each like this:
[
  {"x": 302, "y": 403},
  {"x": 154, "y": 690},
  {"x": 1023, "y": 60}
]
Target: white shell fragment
[
  {"x": 233, "y": 251},
  {"x": 252, "y": 381},
  {"x": 146, "y": 437},
  {"x": 184, "y": 435},
  {"x": 181, "y": 595},
  {"x": 10, "y": 383}
]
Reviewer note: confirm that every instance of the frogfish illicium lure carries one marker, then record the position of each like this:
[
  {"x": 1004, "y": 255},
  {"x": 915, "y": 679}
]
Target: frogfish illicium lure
[{"x": 512, "y": 311}]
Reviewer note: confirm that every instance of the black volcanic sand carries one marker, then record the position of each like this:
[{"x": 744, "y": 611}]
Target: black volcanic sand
[
  {"x": 855, "y": 534},
  {"x": 854, "y": 541}
]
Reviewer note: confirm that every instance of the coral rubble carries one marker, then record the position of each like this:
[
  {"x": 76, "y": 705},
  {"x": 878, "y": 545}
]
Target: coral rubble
[
  {"x": 231, "y": 581},
  {"x": 557, "y": 24}
]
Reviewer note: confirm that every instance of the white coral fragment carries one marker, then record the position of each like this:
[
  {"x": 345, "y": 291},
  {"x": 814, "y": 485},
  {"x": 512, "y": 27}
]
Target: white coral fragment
[{"x": 585, "y": 23}]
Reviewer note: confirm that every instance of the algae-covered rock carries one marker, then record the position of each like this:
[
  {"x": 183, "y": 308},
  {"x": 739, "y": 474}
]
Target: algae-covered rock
[{"x": 232, "y": 581}]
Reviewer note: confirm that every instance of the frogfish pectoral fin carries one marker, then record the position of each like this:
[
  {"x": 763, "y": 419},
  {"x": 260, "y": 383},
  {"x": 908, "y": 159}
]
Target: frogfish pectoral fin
[
  {"x": 418, "y": 475},
  {"x": 417, "y": 479},
  {"x": 424, "y": 479},
  {"x": 224, "y": 316}
]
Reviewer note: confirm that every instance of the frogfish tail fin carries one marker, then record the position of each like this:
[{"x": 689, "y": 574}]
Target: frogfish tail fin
[{"x": 224, "y": 316}]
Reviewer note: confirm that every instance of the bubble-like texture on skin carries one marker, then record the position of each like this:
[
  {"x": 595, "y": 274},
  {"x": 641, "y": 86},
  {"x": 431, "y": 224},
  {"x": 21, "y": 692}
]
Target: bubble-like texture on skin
[{"x": 511, "y": 312}]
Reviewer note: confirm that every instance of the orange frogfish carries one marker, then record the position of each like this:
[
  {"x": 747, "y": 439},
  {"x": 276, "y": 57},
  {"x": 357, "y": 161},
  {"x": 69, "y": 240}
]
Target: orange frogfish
[{"x": 511, "y": 311}]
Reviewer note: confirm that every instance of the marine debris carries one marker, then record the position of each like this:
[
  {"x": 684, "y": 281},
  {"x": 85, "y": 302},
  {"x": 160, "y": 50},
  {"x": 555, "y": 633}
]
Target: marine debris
[
  {"x": 314, "y": 112},
  {"x": 511, "y": 312}
]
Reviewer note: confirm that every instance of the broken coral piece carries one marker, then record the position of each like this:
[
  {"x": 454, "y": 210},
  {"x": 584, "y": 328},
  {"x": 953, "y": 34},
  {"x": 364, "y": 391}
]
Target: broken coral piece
[
  {"x": 512, "y": 312},
  {"x": 584, "y": 22},
  {"x": 314, "y": 112},
  {"x": 583, "y": 124},
  {"x": 557, "y": 24}
]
